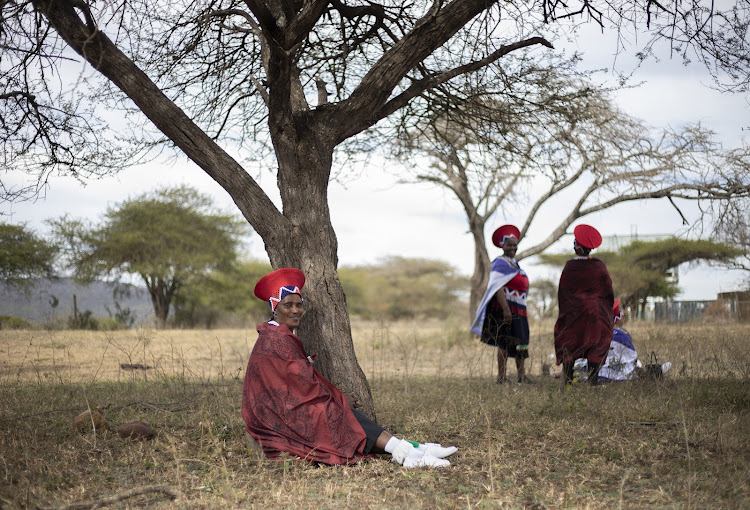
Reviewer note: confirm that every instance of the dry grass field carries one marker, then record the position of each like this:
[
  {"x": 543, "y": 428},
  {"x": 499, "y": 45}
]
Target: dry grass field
[{"x": 683, "y": 442}]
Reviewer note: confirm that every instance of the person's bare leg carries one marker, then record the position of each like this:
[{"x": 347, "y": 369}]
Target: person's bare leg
[
  {"x": 594, "y": 373},
  {"x": 568, "y": 372},
  {"x": 379, "y": 446},
  {"x": 502, "y": 358},
  {"x": 520, "y": 367}
]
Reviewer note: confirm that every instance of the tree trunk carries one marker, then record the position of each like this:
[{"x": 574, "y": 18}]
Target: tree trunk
[
  {"x": 482, "y": 265},
  {"x": 160, "y": 301},
  {"x": 310, "y": 244}
]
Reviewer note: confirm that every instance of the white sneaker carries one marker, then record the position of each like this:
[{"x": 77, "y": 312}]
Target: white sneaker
[
  {"x": 437, "y": 450},
  {"x": 425, "y": 460},
  {"x": 402, "y": 451}
]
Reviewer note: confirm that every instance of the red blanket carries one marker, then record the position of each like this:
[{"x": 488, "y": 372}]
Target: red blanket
[
  {"x": 289, "y": 407},
  {"x": 584, "y": 324}
]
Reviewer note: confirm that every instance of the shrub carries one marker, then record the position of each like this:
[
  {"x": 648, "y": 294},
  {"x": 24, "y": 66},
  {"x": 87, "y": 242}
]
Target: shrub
[
  {"x": 121, "y": 318},
  {"x": 85, "y": 320},
  {"x": 109, "y": 324},
  {"x": 8, "y": 322}
]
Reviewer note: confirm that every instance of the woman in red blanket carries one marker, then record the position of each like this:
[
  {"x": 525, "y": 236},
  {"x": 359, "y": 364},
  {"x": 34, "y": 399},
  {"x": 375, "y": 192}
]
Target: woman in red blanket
[
  {"x": 289, "y": 407},
  {"x": 585, "y": 299}
]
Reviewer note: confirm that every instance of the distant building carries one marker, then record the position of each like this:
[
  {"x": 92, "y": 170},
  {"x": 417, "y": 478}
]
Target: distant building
[
  {"x": 680, "y": 311},
  {"x": 739, "y": 304}
]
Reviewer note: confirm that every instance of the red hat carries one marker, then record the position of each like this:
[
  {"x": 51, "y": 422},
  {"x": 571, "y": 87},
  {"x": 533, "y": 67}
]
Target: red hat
[
  {"x": 616, "y": 310},
  {"x": 499, "y": 235},
  {"x": 587, "y": 236},
  {"x": 278, "y": 284}
]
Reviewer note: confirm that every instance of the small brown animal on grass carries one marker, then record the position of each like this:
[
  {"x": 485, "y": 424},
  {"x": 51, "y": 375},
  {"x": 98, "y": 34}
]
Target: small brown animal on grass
[
  {"x": 135, "y": 430},
  {"x": 83, "y": 421},
  {"x": 134, "y": 366}
]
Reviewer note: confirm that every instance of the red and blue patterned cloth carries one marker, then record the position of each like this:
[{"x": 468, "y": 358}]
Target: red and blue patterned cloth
[{"x": 508, "y": 274}]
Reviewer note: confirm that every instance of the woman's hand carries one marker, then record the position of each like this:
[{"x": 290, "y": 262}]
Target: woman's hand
[
  {"x": 507, "y": 316},
  {"x": 352, "y": 399}
]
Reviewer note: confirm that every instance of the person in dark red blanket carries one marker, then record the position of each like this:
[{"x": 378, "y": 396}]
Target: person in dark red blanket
[
  {"x": 289, "y": 407},
  {"x": 585, "y": 299}
]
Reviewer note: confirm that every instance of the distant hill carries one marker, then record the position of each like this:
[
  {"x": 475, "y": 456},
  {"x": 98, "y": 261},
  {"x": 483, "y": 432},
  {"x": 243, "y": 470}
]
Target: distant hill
[{"x": 36, "y": 305}]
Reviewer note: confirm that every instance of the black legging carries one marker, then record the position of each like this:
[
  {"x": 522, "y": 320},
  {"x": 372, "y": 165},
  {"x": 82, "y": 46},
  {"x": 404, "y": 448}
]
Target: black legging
[
  {"x": 372, "y": 430},
  {"x": 593, "y": 370}
]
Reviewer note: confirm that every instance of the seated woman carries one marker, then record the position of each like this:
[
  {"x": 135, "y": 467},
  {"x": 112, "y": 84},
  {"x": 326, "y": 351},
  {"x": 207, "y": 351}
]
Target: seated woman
[
  {"x": 622, "y": 363},
  {"x": 622, "y": 360},
  {"x": 289, "y": 407}
]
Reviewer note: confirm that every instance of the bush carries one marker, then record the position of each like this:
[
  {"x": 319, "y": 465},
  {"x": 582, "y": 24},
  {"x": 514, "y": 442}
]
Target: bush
[
  {"x": 121, "y": 318},
  {"x": 8, "y": 322},
  {"x": 109, "y": 324},
  {"x": 85, "y": 320}
]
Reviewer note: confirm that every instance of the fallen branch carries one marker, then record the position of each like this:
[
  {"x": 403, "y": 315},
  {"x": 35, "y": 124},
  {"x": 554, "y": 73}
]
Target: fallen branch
[{"x": 137, "y": 491}]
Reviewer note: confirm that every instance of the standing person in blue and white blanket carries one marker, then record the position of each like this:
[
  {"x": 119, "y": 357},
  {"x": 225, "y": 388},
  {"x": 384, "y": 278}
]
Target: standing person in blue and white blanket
[{"x": 501, "y": 318}]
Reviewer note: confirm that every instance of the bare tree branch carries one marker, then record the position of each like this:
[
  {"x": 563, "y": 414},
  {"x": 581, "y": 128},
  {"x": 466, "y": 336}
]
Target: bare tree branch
[{"x": 595, "y": 154}]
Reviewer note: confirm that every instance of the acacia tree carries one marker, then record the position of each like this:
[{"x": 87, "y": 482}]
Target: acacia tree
[
  {"x": 168, "y": 239},
  {"x": 554, "y": 134},
  {"x": 732, "y": 219},
  {"x": 239, "y": 69},
  {"x": 403, "y": 288},
  {"x": 24, "y": 256},
  {"x": 225, "y": 295},
  {"x": 732, "y": 226}
]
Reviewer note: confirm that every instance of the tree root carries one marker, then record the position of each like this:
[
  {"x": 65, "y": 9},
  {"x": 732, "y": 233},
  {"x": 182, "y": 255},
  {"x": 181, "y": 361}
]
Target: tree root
[{"x": 99, "y": 503}]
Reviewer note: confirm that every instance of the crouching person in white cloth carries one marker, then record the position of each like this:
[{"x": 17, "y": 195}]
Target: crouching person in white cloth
[
  {"x": 622, "y": 359},
  {"x": 622, "y": 363}
]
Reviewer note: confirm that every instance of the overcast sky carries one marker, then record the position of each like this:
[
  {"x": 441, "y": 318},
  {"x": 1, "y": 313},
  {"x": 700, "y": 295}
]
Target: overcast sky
[{"x": 375, "y": 217}]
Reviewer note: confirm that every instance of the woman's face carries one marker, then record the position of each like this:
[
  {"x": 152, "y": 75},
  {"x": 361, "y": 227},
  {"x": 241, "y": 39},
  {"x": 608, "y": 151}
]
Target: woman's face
[
  {"x": 289, "y": 311},
  {"x": 510, "y": 247}
]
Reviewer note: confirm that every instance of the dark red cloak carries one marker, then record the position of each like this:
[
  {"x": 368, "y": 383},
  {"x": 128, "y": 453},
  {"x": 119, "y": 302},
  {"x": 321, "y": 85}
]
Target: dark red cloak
[
  {"x": 289, "y": 407},
  {"x": 585, "y": 321}
]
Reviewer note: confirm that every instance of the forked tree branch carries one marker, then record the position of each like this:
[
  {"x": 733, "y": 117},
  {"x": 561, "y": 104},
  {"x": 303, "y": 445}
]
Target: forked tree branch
[{"x": 111, "y": 62}]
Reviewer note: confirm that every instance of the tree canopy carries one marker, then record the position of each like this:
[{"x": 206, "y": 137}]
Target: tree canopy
[
  {"x": 225, "y": 296},
  {"x": 403, "y": 288},
  {"x": 24, "y": 256},
  {"x": 732, "y": 226},
  {"x": 168, "y": 238},
  {"x": 642, "y": 269}
]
